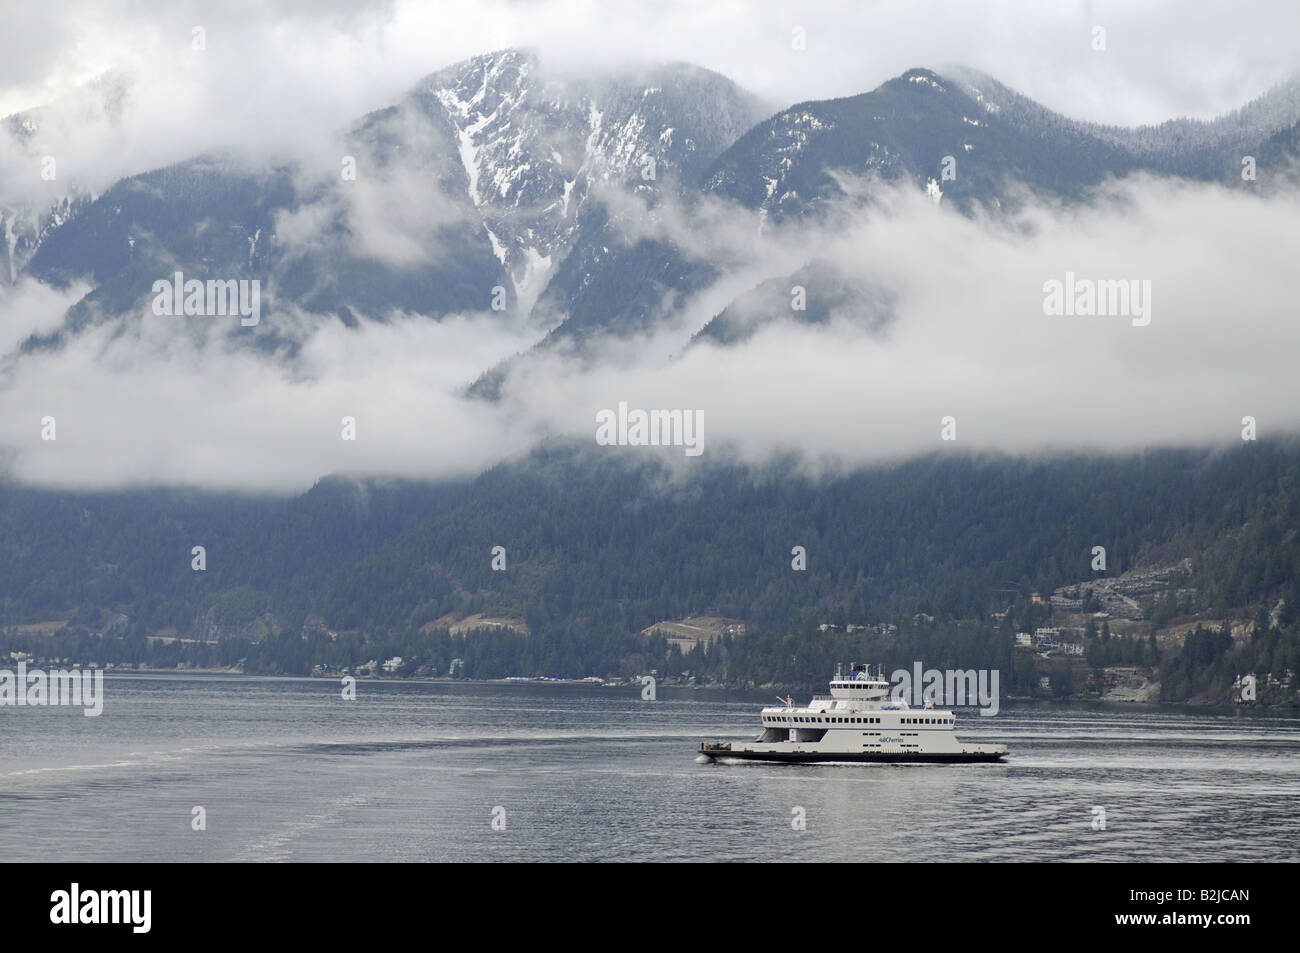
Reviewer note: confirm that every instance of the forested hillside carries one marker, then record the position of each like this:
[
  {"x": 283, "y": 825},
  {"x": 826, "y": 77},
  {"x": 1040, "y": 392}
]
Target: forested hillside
[{"x": 598, "y": 548}]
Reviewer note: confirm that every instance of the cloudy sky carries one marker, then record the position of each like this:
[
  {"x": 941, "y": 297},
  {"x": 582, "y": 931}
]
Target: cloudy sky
[
  {"x": 293, "y": 59},
  {"x": 969, "y": 339}
]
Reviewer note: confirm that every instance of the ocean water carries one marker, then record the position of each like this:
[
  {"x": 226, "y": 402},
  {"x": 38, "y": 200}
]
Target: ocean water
[{"x": 286, "y": 770}]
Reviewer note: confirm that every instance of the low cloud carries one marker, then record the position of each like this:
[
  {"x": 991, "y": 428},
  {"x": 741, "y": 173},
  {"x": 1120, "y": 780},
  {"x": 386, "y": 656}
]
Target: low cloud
[
  {"x": 968, "y": 338},
  {"x": 30, "y": 308}
]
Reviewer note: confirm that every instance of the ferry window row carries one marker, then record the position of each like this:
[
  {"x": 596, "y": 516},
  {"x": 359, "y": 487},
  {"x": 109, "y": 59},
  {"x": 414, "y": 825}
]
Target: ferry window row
[
  {"x": 859, "y": 721},
  {"x": 831, "y": 720}
]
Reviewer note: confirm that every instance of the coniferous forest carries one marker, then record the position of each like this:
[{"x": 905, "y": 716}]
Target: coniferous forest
[{"x": 937, "y": 559}]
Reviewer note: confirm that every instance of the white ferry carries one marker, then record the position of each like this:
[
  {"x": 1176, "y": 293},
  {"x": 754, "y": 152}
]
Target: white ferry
[{"x": 857, "y": 721}]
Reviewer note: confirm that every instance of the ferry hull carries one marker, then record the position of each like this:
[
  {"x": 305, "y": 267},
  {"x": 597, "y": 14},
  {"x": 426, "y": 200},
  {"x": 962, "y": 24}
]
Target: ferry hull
[{"x": 714, "y": 752}]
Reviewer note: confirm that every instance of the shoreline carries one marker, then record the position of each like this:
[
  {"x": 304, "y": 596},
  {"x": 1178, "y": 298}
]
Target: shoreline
[{"x": 632, "y": 683}]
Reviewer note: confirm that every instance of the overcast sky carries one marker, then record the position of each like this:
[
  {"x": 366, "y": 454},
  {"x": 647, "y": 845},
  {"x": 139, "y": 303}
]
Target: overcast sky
[{"x": 1163, "y": 58}]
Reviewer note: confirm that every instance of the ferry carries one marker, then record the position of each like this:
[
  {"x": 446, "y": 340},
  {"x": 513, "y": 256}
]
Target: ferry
[{"x": 857, "y": 721}]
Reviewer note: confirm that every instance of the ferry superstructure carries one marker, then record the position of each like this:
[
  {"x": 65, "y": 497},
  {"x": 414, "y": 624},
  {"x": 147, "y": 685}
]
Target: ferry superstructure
[{"x": 857, "y": 721}]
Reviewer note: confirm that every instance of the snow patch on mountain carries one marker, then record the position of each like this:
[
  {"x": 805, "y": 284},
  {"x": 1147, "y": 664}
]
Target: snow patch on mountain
[{"x": 533, "y": 145}]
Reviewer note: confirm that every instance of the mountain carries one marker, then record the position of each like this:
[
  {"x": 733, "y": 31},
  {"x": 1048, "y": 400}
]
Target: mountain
[
  {"x": 501, "y": 173},
  {"x": 904, "y": 130},
  {"x": 1204, "y": 149},
  {"x": 828, "y": 293},
  {"x": 34, "y": 201},
  {"x": 479, "y": 178},
  {"x": 1001, "y": 142},
  {"x": 534, "y": 148},
  {"x": 995, "y": 145}
]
